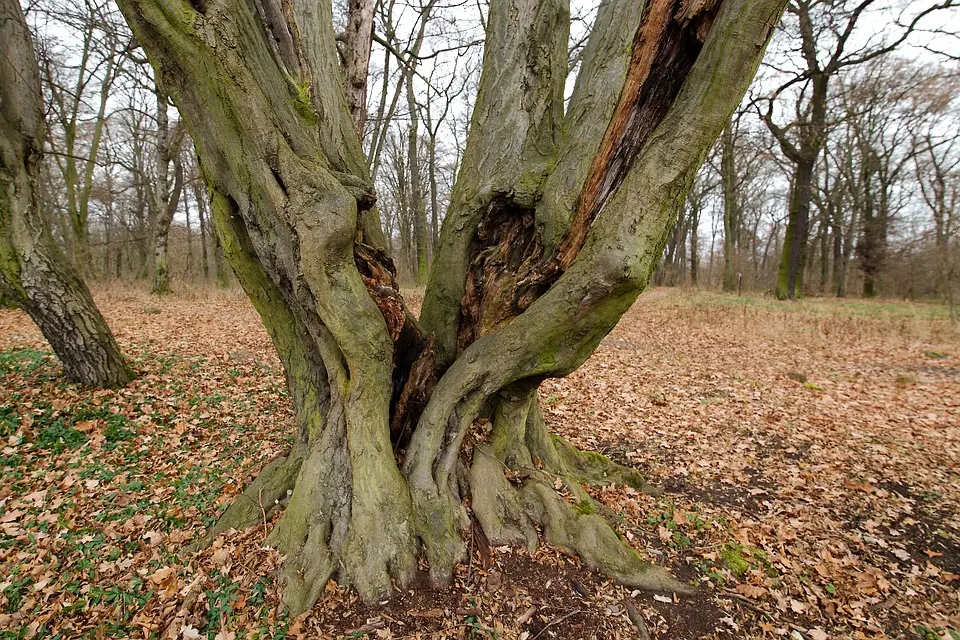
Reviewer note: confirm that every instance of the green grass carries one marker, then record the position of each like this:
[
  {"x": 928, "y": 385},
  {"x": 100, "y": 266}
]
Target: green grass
[
  {"x": 852, "y": 307},
  {"x": 59, "y": 436},
  {"x": 23, "y": 361}
]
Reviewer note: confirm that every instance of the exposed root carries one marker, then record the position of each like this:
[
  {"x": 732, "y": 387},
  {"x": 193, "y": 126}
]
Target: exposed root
[
  {"x": 523, "y": 451},
  {"x": 510, "y": 514},
  {"x": 590, "y": 536},
  {"x": 349, "y": 518},
  {"x": 439, "y": 517},
  {"x": 311, "y": 530},
  {"x": 380, "y": 548},
  {"x": 259, "y": 501}
]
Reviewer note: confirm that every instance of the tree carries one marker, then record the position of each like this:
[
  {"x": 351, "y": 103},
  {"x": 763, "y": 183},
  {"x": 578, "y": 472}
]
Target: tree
[
  {"x": 33, "y": 271},
  {"x": 731, "y": 206},
  {"x": 825, "y": 31},
  {"x": 103, "y": 43},
  {"x": 164, "y": 192},
  {"x": 936, "y": 142},
  {"x": 556, "y": 223}
]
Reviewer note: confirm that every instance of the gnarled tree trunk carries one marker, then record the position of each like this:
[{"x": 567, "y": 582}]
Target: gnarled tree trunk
[
  {"x": 33, "y": 271},
  {"x": 556, "y": 223}
]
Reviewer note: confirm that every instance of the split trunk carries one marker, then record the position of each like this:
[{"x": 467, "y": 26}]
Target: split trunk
[{"x": 412, "y": 431}]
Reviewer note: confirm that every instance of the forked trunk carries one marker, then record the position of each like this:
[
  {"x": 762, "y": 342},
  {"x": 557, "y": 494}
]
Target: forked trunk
[
  {"x": 555, "y": 225},
  {"x": 33, "y": 271}
]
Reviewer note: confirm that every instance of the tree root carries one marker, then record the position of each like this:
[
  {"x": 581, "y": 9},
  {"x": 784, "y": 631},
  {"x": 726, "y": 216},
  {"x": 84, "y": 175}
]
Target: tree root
[
  {"x": 522, "y": 448},
  {"x": 260, "y": 500},
  {"x": 511, "y": 514},
  {"x": 362, "y": 526}
]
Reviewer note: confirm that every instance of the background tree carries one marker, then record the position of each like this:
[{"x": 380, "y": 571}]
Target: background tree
[
  {"x": 164, "y": 190},
  {"x": 33, "y": 271},
  {"x": 826, "y": 33},
  {"x": 79, "y": 93}
]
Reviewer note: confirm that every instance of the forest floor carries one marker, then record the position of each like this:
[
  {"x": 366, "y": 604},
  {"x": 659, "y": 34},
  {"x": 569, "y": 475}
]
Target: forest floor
[{"x": 809, "y": 453}]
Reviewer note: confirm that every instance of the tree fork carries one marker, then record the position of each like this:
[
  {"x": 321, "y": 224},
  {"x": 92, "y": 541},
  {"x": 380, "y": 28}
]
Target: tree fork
[{"x": 292, "y": 211}]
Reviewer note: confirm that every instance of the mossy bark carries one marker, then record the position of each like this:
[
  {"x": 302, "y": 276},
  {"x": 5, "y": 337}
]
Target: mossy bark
[
  {"x": 33, "y": 272},
  {"x": 595, "y": 191}
]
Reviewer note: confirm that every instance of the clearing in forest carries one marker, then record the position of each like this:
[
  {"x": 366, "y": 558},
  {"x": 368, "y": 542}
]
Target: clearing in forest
[{"x": 808, "y": 454}]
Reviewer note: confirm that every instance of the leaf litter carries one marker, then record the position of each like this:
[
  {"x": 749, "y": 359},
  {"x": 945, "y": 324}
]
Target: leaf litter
[{"x": 808, "y": 455}]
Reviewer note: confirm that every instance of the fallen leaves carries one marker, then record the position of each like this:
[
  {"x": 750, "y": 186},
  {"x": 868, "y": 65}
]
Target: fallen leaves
[{"x": 818, "y": 514}]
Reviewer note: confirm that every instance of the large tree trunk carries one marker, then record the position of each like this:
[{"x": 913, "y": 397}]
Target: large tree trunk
[
  {"x": 793, "y": 258},
  {"x": 33, "y": 272},
  {"x": 556, "y": 224}
]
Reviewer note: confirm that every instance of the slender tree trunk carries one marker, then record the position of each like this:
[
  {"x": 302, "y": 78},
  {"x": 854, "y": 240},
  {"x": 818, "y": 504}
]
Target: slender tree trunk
[
  {"x": 220, "y": 264},
  {"x": 166, "y": 195},
  {"x": 553, "y": 232},
  {"x": 358, "y": 38},
  {"x": 108, "y": 224},
  {"x": 33, "y": 272},
  {"x": 731, "y": 209},
  {"x": 848, "y": 247},
  {"x": 823, "y": 238},
  {"x": 794, "y": 256},
  {"x": 836, "y": 231},
  {"x": 869, "y": 248},
  {"x": 200, "y": 198},
  {"x": 434, "y": 197},
  {"x": 695, "y": 244},
  {"x": 417, "y": 210}
]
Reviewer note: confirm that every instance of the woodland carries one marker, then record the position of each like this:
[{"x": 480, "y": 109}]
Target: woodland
[{"x": 508, "y": 319}]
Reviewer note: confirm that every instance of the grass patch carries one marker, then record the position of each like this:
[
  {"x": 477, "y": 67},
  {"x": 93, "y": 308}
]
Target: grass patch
[
  {"x": 23, "y": 361},
  {"x": 59, "y": 436}
]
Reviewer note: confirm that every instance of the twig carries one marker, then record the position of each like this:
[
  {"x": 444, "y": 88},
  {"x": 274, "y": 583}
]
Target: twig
[
  {"x": 748, "y": 604},
  {"x": 636, "y": 618},
  {"x": 372, "y": 625},
  {"x": 557, "y": 621},
  {"x": 263, "y": 511},
  {"x": 525, "y": 618}
]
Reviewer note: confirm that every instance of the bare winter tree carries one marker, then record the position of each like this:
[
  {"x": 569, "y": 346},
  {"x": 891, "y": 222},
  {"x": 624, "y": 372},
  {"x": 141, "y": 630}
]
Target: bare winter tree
[
  {"x": 79, "y": 95},
  {"x": 825, "y": 34},
  {"x": 165, "y": 190},
  {"x": 33, "y": 271},
  {"x": 556, "y": 222}
]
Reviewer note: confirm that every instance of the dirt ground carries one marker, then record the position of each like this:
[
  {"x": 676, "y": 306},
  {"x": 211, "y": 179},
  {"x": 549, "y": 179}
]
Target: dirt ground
[{"x": 809, "y": 453}]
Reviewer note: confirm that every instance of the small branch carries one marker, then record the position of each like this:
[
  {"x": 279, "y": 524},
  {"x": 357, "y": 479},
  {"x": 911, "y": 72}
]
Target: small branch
[
  {"x": 557, "y": 621},
  {"x": 637, "y": 619}
]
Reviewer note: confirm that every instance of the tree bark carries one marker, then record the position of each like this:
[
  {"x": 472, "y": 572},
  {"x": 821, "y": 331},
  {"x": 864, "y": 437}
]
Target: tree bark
[
  {"x": 731, "y": 208},
  {"x": 33, "y": 272},
  {"x": 358, "y": 38},
  {"x": 556, "y": 224},
  {"x": 793, "y": 259}
]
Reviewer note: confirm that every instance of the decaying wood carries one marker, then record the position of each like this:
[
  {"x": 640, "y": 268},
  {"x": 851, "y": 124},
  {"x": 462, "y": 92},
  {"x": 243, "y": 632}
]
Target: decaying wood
[
  {"x": 414, "y": 371},
  {"x": 509, "y": 268}
]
